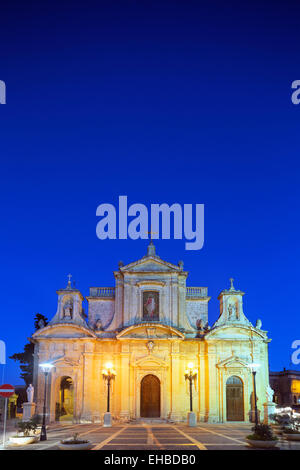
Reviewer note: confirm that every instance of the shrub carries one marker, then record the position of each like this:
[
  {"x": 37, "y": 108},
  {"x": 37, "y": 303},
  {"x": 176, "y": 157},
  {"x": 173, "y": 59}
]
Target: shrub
[
  {"x": 74, "y": 440},
  {"x": 37, "y": 419},
  {"x": 262, "y": 432},
  {"x": 26, "y": 426}
]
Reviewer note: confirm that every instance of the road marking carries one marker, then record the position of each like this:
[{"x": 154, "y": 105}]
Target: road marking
[
  {"x": 222, "y": 435},
  {"x": 57, "y": 442},
  {"x": 151, "y": 439},
  {"x": 152, "y": 436},
  {"x": 110, "y": 438},
  {"x": 197, "y": 443}
]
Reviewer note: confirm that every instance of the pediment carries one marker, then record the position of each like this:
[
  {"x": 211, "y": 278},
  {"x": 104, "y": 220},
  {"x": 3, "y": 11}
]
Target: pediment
[
  {"x": 235, "y": 332},
  {"x": 150, "y": 264},
  {"x": 63, "y": 330},
  {"x": 150, "y": 331},
  {"x": 60, "y": 361},
  {"x": 150, "y": 362},
  {"x": 233, "y": 362}
]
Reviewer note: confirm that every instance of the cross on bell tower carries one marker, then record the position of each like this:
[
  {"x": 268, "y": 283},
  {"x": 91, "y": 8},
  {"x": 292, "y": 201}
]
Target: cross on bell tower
[
  {"x": 151, "y": 247},
  {"x": 151, "y": 233},
  {"x": 69, "y": 280}
]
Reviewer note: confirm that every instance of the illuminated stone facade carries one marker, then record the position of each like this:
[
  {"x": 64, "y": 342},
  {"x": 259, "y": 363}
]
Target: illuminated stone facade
[{"x": 151, "y": 324}]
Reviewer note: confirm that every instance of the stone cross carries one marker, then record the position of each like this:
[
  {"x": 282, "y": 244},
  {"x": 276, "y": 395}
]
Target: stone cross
[{"x": 152, "y": 233}]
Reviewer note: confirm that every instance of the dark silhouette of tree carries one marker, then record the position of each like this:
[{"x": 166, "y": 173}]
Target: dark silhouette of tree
[{"x": 26, "y": 357}]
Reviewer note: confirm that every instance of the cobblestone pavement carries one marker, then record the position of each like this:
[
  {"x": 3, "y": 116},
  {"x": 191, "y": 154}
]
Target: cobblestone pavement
[{"x": 151, "y": 436}]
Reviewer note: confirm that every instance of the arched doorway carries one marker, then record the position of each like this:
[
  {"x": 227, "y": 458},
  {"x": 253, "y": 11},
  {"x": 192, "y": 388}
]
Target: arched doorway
[
  {"x": 150, "y": 397},
  {"x": 234, "y": 399},
  {"x": 65, "y": 405}
]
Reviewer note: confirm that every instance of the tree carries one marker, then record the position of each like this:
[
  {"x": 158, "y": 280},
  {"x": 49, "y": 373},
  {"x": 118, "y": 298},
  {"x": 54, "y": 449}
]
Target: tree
[{"x": 26, "y": 357}]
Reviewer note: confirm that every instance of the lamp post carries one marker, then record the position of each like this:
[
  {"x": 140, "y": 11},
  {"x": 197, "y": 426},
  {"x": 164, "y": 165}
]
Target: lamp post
[
  {"x": 191, "y": 375},
  {"x": 46, "y": 367},
  {"x": 254, "y": 368},
  {"x": 108, "y": 375}
]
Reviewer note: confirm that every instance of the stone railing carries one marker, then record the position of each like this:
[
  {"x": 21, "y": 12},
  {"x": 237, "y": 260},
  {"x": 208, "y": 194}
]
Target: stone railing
[
  {"x": 196, "y": 292},
  {"x": 102, "y": 292}
]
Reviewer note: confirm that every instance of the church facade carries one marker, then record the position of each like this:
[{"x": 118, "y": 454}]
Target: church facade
[{"x": 150, "y": 327}]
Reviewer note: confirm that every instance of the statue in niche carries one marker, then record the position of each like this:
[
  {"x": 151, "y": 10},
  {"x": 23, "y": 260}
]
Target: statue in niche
[
  {"x": 232, "y": 312},
  {"x": 30, "y": 393},
  {"x": 98, "y": 325},
  {"x": 68, "y": 309}
]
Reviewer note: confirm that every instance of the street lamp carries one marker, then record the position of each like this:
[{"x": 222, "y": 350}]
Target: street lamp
[
  {"x": 254, "y": 368},
  {"x": 191, "y": 375},
  {"x": 108, "y": 374},
  {"x": 46, "y": 367}
]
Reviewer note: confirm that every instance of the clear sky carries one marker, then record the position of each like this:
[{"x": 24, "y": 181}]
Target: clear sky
[{"x": 162, "y": 101}]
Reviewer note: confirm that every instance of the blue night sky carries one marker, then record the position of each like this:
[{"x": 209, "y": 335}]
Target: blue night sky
[{"x": 162, "y": 101}]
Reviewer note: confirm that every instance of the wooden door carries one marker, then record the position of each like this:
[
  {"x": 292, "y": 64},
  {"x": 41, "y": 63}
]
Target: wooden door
[
  {"x": 150, "y": 397},
  {"x": 234, "y": 399}
]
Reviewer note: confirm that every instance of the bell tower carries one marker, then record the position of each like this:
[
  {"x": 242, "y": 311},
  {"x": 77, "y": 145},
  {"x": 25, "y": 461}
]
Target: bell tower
[
  {"x": 69, "y": 307},
  {"x": 231, "y": 307}
]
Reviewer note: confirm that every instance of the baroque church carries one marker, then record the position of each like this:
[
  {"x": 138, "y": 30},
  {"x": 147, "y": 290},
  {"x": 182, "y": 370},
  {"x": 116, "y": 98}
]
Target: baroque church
[{"x": 150, "y": 326}]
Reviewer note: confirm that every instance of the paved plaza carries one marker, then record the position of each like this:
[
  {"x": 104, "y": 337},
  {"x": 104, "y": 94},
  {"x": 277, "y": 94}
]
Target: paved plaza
[{"x": 152, "y": 436}]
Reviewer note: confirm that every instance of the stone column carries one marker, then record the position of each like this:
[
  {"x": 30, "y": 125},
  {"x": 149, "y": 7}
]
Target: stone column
[
  {"x": 96, "y": 388},
  {"x": 118, "y": 320},
  {"x": 124, "y": 383},
  {"x": 181, "y": 303},
  {"x": 212, "y": 387},
  {"x": 39, "y": 382},
  {"x": 127, "y": 303},
  {"x": 177, "y": 389},
  {"x": 87, "y": 406},
  {"x": 174, "y": 302},
  {"x": 201, "y": 383}
]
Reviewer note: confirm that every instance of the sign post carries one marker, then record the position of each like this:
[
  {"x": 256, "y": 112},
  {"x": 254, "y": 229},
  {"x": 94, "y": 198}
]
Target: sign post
[{"x": 6, "y": 391}]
